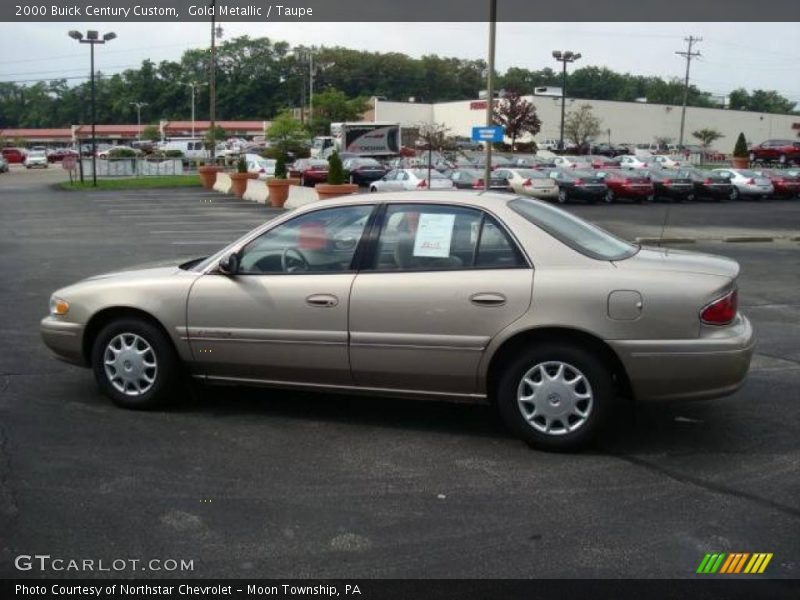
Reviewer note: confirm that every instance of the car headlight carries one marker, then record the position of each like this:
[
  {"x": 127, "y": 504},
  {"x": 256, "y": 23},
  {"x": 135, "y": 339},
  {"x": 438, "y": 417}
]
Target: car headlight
[{"x": 58, "y": 306}]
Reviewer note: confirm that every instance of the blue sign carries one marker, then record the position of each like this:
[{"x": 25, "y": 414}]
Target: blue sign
[{"x": 487, "y": 134}]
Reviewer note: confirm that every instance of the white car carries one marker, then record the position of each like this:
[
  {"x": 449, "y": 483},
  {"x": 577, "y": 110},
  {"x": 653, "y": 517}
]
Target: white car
[
  {"x": 628, "y": 161},
  {"x": 668, "y": 162},
  {"x": 747, "y": 183},
  {"x": 36, "y": 158},
  {"x": 265, "y": 167},
  {"x": 106, "y": 152},
  {"x": 572, "y": 162},
  {"x": 528, "y": 182},
  {"x": 411, "y": 179},
  {"x": 548, "y": 144}
]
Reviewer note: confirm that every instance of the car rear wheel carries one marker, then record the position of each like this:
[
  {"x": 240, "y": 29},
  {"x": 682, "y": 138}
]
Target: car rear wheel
[
  {"x": 135, "y": 364},
  {"x": 556, "y": 397},
  {"x": 735, "y": 194},
  {"x": 562, "y": 196},
  {"x": 610, "y": 196}
]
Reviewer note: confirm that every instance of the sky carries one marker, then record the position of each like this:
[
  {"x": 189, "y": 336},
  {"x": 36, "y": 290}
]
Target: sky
[{"x": 749, "y": 55}]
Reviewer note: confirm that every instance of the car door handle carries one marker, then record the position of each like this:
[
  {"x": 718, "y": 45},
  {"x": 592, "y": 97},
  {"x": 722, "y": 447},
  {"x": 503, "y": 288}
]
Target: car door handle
[
  {"x": 322, "y": 300},
  {"x": 488, "y": 299}
]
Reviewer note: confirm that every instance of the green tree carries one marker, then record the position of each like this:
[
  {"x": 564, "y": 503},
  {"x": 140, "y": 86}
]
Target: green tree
[
  {"x": 333, "y": 106},
  {"x": 581, "y": 126},
  {"x": 740, "y": 149},
  {"x": 151, "y": 133},
  {"x": 213, "y": 137},
  {"x": 286, "y": 133},
  {"x": 335, "y": 169},
  {"x": 707, "y": 136}
]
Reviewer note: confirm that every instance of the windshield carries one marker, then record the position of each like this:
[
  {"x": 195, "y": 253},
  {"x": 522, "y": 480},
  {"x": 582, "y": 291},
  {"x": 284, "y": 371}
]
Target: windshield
[
  {"x": 423, "y": 174},
  {"x": 576, "y": 233}
]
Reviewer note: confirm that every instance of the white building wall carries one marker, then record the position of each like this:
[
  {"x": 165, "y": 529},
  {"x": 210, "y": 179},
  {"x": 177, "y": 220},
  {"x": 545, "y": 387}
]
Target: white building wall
[{"x": 629, "y": 122}]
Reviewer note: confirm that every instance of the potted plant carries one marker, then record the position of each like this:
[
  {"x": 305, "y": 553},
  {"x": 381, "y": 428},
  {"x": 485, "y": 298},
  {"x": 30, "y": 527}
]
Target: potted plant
[
  {"x": 336, "y": 185},
  {"x": 741, "y": 158},
  {"x": 279, "y": 184},
  {"x": 208, "y": 175},
  {"x": 239, "y": 178}
]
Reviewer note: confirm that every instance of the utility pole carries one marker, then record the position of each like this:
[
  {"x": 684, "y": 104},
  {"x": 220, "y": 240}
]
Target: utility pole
[
  {"x": 194, "y": 86},
  {"x": 311, "y": 88},
  {"x": 138, "y": 106},
  {"x": 487, "y": 171},
  {"x": 212, "y": 87},
  {"x": 688, "y": 55}
]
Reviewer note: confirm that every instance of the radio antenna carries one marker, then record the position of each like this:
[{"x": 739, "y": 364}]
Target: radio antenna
[{"x": 664, "y": 224}]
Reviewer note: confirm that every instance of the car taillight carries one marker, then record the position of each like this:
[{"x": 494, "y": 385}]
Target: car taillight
[
  {"x": 626, "y": 181},
  {"x": 721, "y": 311},
  {"x": 668, "y": 182},
  {"x": 707, "y": 181},
  {"x": 579, "y": 182},
  {"x": 527, "y": 183},
  {"x": 478, "y": 185},
  {"x": 750, "y": 181},
  {"x": 422, "y": 184}
]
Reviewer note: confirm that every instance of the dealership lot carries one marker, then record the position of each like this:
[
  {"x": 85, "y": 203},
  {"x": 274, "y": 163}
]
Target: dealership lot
[{"x": 278, "y": 484}]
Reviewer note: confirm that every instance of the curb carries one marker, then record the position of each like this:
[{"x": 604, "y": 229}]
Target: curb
[
  {"x": 664, "y": 240},
  {"x": 748, "y": 238}
]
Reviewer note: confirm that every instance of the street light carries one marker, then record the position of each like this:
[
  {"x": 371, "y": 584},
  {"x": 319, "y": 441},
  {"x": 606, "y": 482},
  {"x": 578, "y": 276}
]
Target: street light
[
  {"x": 138, "y": 106},
  {"x": 564, "y": 57},
  {"x": 194, "y": 87},
  {"x": 92, "y": 38}
]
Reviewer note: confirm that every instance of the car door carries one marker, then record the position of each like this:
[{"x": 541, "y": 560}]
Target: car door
[
  {"x": 283, "y": 315},
  {"x": 440, "y": 282}
]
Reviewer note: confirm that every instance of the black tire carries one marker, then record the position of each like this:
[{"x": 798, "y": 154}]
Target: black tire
[
  {"x": 609, "y": 197},
  {"x": 562, "y": 196},
  {"x": 595, "y": 371},
  {"x": 167, "y": 376},
  {"x": 735, "y": 194}
]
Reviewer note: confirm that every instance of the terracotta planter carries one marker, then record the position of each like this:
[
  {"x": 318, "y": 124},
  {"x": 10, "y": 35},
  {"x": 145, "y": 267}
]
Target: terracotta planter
[
  {"x": 239, "y": 182},
  {"x": 279, "y": 190},
  {"x": 740, "y": 162},
  {"x": 208, "y": 175},
  {"x": 330, "y": 190}
]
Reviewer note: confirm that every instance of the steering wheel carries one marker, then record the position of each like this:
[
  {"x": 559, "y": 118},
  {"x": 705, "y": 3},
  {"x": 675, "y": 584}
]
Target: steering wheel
[{"x": 303, "y": 266}]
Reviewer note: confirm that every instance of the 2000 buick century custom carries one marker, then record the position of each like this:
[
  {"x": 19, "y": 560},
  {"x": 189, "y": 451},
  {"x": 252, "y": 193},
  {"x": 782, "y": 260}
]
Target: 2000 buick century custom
[{"x": 458, "y": 295}]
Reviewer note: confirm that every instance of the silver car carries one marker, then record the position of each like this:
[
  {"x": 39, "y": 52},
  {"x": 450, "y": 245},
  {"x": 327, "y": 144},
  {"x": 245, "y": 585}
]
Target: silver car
[
  {"x": 478, "y": 297},
  {"x": 36, "y": 158},
  {"x": 411, "y": 179},
  {"x": 747, "y": 183}
]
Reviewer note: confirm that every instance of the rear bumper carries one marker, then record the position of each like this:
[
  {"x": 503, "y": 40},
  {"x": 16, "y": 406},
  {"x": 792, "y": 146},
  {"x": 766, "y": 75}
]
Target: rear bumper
[
  {"x": 64, "y": 339},
  {"x": 695, "y": 369}
]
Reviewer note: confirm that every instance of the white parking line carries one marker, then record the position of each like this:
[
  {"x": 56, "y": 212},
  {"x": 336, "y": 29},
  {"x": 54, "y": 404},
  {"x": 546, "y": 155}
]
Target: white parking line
[{"x": 194, "y": 231}]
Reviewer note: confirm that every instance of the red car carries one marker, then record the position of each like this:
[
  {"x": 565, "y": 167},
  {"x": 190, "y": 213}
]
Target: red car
[
  {"x": 627, "y": 184},
  {"x": 14, "y": 155},
  {"x": 786, "y": 185},
  {"x": 310, "y": 171},
  {"x": 782, "y": 151},
  {"x": 60, "y": 154}
]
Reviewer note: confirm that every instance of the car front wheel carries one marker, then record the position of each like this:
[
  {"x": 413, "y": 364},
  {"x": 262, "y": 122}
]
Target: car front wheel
[
  {"x": 562, "y": 196},
  {"x": 609, "y": 196},
  {"x": 135, "y": 364},
  {"x": 555, "y": 398}
]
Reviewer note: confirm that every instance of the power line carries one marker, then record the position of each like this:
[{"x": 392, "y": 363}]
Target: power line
[{"x": 688, "y": 55}]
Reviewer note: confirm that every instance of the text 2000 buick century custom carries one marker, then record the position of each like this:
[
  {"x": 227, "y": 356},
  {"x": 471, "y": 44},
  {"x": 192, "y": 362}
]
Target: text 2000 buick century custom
[{"x": 457, "y": 295}]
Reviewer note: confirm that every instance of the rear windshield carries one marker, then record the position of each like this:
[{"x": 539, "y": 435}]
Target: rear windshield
[
  {"x": 531, "y": 174},
  {"x": 576, "y": 233}
]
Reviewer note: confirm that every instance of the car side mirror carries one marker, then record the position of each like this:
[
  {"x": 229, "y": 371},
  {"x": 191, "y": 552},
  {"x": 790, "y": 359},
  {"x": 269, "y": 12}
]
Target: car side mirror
[{"x": 229, "y": 265}]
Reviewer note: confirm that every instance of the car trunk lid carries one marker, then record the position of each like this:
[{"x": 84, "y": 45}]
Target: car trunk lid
[{"x": 668, "y": 259}]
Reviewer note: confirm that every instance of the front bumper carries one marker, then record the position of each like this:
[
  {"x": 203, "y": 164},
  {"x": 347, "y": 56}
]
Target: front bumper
[
  {"x": 706, "y": 367},
  {"x": 64, "y": 339}
]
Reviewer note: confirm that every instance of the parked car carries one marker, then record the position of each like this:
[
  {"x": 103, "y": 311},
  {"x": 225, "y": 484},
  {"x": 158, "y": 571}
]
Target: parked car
[
  {"x": 786, "y": 185},
  {"x": 3, "y": 165},
  {"x": 708, "y": 184},
  {"x": 59, "y": 154},
  {"x": 192, "y": 148},
  {"x": 630, "y": 161},
  {"x": 532, "y": 162},
  {"x": 434, "y": 299},
  {"x": 747, "y": 183},
  {"x": 576, "y": 184},
  {"x": 630, "y": 184},
  {"x": 310, "y": 171},
  {"x": 411, "y": 179},
  {"x": 14, "y": 155},
  {"x": 479, "y": 161},
  {"x": 363, "y": 171},
  {"x": 567, "y": 161},
  {"x": 548, "y": 144},
  {"x": 474, "y": 179},
  {"x": 598, "y": 161},
  {"x": 264, "y": 167},
  {"x": 670, "y": 183},
  {"x": 782, "y": 151},
  {"x": 109, "y": 151},
  {"x": 609, "y": 150},
  {"x": 668, "y": 162},
  {"x": 529, "y": 182},
  {"x": 36, "y": 159}
]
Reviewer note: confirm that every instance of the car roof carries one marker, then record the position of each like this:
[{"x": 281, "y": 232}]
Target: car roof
[{"x": 479, "y": 199}]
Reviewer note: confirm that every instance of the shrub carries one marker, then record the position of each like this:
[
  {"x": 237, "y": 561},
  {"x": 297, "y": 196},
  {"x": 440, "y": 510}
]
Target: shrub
[
  {"x": 122, "y": 153},
  {"x": 173, "y": 154},
  {"x": 280, "y": 166},
  {"x": 335, "y": 170},
  {"x": 740, "y": 149}
]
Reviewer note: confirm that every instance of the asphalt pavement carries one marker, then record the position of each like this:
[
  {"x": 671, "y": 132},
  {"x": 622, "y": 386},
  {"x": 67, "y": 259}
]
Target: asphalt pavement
[{"x": 255, "y": 483}]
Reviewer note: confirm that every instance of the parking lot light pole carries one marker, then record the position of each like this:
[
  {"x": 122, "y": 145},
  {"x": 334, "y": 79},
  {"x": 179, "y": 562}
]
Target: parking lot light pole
[
  {"x": 564, "y": 57},
  {"x": 92, "y": 38},
  {"x": 194, "y": 87},
  {"x": 487, "y": 170},
  {"x": 138, "y": 106}
]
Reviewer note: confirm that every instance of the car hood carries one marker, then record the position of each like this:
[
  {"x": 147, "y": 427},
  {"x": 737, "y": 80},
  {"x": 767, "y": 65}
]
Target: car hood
[
  {"x": 667, "y": 259},
  {"x": 160, "y": 268}
]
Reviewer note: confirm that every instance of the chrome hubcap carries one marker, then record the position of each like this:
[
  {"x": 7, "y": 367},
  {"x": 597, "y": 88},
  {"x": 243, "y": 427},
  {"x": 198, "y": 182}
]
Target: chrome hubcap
[
  {"x": 130, "y": 364},
  {"x": 555, "y": 398}
]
